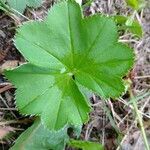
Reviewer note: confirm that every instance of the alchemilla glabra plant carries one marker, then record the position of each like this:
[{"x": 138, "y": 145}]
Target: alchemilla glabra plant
[{"x": 67, "y": 52}]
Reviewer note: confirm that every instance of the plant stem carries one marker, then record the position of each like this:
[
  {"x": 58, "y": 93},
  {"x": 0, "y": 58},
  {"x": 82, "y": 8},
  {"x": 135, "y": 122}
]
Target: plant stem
[
  {"x": 79, "y": 2},
  {"x": 139, "y": 117}
]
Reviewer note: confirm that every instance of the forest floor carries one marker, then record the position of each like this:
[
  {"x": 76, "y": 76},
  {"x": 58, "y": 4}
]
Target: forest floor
[{"x": 111, "y": 122}]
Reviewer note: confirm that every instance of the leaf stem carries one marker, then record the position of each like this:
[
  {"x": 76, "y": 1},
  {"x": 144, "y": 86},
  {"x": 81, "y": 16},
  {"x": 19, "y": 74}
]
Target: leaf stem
[
  {"x": 139, "y": 117},
  {"x": 79, "y": 2}
]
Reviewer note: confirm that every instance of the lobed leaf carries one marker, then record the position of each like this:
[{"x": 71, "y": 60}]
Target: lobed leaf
[
  {"x": 42, "y": 91},
  {"x": 20, "y": 5},
  {"x": 38, "y": 137},
  {"x": 65, "y": 51}
]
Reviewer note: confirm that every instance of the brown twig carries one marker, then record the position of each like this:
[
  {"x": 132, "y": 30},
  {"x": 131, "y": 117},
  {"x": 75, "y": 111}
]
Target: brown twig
[{"x": 5, "y": 88}]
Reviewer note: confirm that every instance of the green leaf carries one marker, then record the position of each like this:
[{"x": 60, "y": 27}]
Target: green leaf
[
  {"x": 20, "y": 5},
  {"x": 133, "y": 3},
  {"x": 49, "y": 93},
  {"x": 136, "y": 4},
  {"x": 37, "y": 137},
  {"x": 63, "y": 51},
  {"x": 86, "y": 145},
  {"x": 135, "y": 27}
]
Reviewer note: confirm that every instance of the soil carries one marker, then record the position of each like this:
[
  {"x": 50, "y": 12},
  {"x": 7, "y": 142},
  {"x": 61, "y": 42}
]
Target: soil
[{"x": 99, "y": 128}]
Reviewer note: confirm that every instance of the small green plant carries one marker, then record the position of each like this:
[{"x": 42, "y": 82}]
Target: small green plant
[
  {"x": 134, "y": 27},
  {"x": 66, "y": 53},
  {"x": 129, "y": 22},
  {"x": 136, "y": 4}
]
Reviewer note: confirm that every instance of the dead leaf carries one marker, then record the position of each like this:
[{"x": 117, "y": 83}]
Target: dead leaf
[
  {"x": 4, "y": 131},
  {"x": 8, "y": 65}
]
